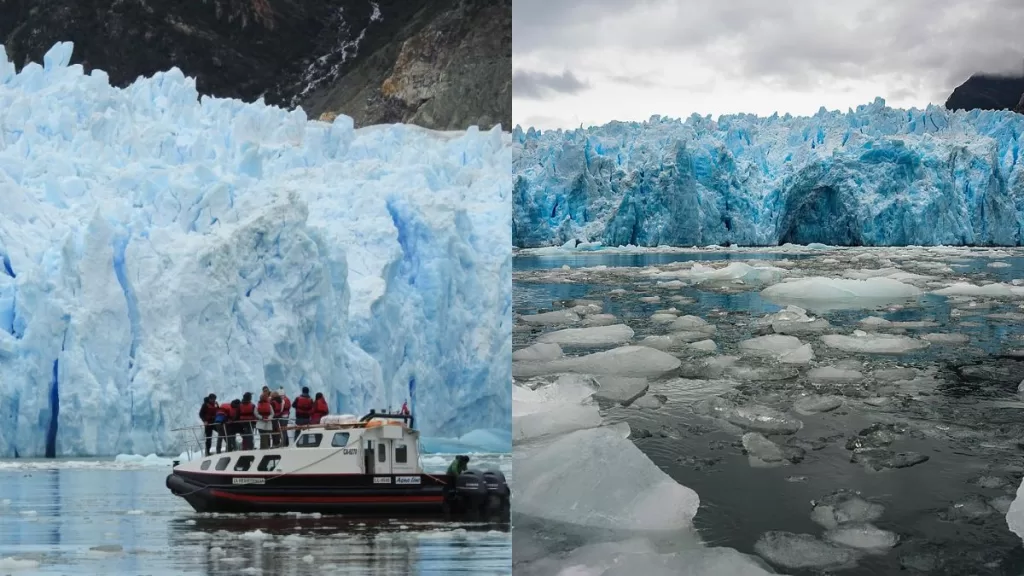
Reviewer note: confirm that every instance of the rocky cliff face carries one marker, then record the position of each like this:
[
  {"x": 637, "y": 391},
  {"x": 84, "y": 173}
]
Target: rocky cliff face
[
  {"x": 987, "y": 92},
  {"x": 443, "y": 64}
]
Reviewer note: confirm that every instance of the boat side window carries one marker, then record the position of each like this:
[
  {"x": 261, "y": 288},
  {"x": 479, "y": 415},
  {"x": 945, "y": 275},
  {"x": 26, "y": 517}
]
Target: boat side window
[
  {"x": 340, "y": 440},
  {"x": 244, "y": 463},
  {"x": 222, "y": 464},
  {"x": 309, "y": 440},
  {"x": 381, "y": 454},
  {"x": 269, "y": 463},
  {"x": 205, "y": 465},
  {"x": 401, "y": 454}
]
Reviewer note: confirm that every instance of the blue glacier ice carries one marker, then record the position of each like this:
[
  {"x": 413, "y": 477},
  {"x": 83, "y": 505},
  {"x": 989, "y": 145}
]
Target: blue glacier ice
[
  {"x": 871, "y": 176},
  {"x": 156, "y": 246}
]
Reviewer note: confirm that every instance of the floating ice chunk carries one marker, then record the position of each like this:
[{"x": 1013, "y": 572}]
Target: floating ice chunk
[
  {"x": 863, "y": 537},
  {"x": 794, "y": 320},
  {"x": 12, "y": 563},
  {"x": 661, "y": 318},
  {"x": 704, "y": 346},
  {"x": 786, "y": 349},
  {"x": 972, "y": 509},
  {"x": 997, "y": 290},
  {"x": 637, "y": 361},
  {"x": 649, "y": 401},
  {"x": 843, "y": 508},
  {"x": 755, "y": 418},
  {"x": 863, "y": 343},
  {"x": 938, "y": 338},
  {"x": 833, "y": 374},
  {"x": 254, "y": 535},
  {"x": 797, "y": 551},
  {"x": 570, "y": 481},
  {"x": 620, "y": 389},
  {"x": 557, "y": 408},
  {"x": 599, "y": 320},
  {"x": 596, "y": 336},
  {"x": 837, "y": 293},
  {"x": 690, "y": 323},
  {"x": 814, "y": 404},
  {"x": 762, "y": 451},
  {"x": 999, "y": 265},
  {"x": 673, "y": 340},
  {"x": 875, "y": 322},
  {"x": 880, "y": 458},
  {"x": 538, "y": 352},
  {"x": 551, "y": 318}
]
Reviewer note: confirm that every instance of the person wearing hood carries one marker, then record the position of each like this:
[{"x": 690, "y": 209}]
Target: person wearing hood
[
  {"x": 319, "y": 408},
  {"x": 246, "y": 420},
  {"x": 303, "y": 410},
  {"x": 208, "y": 414}
]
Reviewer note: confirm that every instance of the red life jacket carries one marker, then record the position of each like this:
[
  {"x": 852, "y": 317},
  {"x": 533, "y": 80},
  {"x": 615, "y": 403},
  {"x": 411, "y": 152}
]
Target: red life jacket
[
  {"x": 319, "y": 410},
  {"x": 226, "y": 410},
  {"x": 208, "y": 412},
  {"x": 276, "y": 405},
  {"x": 286, "y": 406},
  {"x": 265, "y": 409},
  {"x": 303, "y": 407},
  {"x": 246, "y": 411}
]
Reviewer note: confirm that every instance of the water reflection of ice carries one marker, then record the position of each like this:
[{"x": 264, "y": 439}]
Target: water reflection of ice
[{"x": 908, "y": 396}]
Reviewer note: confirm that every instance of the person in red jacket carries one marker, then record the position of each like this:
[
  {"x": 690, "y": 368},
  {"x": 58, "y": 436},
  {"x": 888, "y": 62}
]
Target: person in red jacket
[
  {"x": 277, "y": 405},
  {"x": 225, "y": 422},
  {"x": 208, "y": 414},
  {"x": 246, "y": 419},
  {"x": 286, "y": 409},
  {"x": 319, "y": 408},
  {"x": 265, "y": 420},
  {"x": 303, "y": 410}
]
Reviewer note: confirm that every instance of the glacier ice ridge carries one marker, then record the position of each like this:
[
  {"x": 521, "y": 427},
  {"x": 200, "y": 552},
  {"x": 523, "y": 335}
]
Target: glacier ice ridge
[
  {"x": 156, "y": 246},
  {"x": 874, "y": 176}
]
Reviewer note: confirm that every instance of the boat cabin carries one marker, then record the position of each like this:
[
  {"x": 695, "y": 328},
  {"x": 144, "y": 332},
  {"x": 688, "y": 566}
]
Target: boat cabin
[{"x": 377, "y": 444}]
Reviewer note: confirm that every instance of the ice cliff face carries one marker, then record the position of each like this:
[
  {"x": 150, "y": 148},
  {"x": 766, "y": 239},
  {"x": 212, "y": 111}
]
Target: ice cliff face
[
  {"x": 873, "y": 176},
  {"x": 156, "y": 248}
]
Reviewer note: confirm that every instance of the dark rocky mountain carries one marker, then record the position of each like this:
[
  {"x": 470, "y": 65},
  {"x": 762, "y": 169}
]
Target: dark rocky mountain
[
  {"x": 443, "y": 64},
  {"x": 988, "y": 92}
]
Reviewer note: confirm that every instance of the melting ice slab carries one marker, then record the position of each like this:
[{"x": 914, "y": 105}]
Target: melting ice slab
[
  {"x": 873, "y": 176},
  {"x": 571, "y": 481},
  {"x": 155, "y": 248}
]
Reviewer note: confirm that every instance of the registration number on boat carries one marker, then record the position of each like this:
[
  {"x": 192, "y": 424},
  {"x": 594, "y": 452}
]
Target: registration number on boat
[
  {"x": 382, "y": 480},
  {"x": 248, "y": 481},
  {"x": 407, "y": 479}
]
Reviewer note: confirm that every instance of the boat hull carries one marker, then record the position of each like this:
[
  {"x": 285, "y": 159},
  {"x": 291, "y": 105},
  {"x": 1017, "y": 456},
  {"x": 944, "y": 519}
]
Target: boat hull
[{"x": 324, "y": 494}]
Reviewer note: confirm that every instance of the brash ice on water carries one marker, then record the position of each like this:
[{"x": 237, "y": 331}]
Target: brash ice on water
[{"x": 157, "y": 247}]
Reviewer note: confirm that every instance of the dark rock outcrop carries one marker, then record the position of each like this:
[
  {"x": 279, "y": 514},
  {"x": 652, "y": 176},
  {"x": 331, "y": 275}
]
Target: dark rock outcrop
[
  {"x": 443, "y": 64},
  {"x": 988, "y": 92}
]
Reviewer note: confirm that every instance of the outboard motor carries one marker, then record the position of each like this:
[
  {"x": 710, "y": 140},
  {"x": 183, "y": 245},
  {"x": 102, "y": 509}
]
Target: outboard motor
[
  {"x": 498, "y": 492},
  {"x": 471, "y": 490}
]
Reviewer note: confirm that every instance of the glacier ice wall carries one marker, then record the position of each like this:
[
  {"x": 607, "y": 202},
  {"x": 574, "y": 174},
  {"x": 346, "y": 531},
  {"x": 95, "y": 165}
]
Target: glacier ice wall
[
  {"x": 157, "y": 247},
  {"x": 871, "y": 176}
]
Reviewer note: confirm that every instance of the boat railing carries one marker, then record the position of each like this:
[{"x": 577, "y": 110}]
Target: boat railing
[{"x": 192, "y": 439}]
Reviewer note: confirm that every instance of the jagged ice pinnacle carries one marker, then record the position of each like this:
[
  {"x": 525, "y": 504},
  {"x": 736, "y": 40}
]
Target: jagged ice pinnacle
[
  {"x": 874, "y": 176},
  {"x": 156, "y": 247}
]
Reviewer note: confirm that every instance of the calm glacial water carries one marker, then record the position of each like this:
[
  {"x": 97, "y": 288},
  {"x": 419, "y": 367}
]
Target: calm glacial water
[
  {"x": 949, "y": 511},
  {"x": 94, "y": 517}
]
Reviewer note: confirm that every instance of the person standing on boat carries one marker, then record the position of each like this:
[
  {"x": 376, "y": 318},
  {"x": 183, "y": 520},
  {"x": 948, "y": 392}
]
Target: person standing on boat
[
  {"x": 458, "y": 466},
  {"x": 286, "y": 409},
  {"x": 265, "y": 420},
  {"x": 224, "y": 422},
  {"x": 278, "y": 406},
  {"x": 319, "y": 408},
  {"x": 208, "y": 414},
  {"x": 303, "y": 410},
  {"x": 234, "y": 426},
  {"x": 405, "y": 408},
  {"x": 246, "y": 419}
]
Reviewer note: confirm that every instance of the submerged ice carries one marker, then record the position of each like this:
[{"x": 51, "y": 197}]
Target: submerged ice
[
  {"x": 872, "y": 176},
  {"x": 156, "y": 246}
]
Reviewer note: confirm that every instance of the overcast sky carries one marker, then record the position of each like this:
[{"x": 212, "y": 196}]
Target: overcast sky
[{"x": 592, "y": 61}]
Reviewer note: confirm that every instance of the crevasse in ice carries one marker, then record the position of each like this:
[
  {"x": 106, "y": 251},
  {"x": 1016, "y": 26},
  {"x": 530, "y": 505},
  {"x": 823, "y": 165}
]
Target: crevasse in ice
[
  {"x": 870, "y": 176},
  {"x": 157, "y": 247}
]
